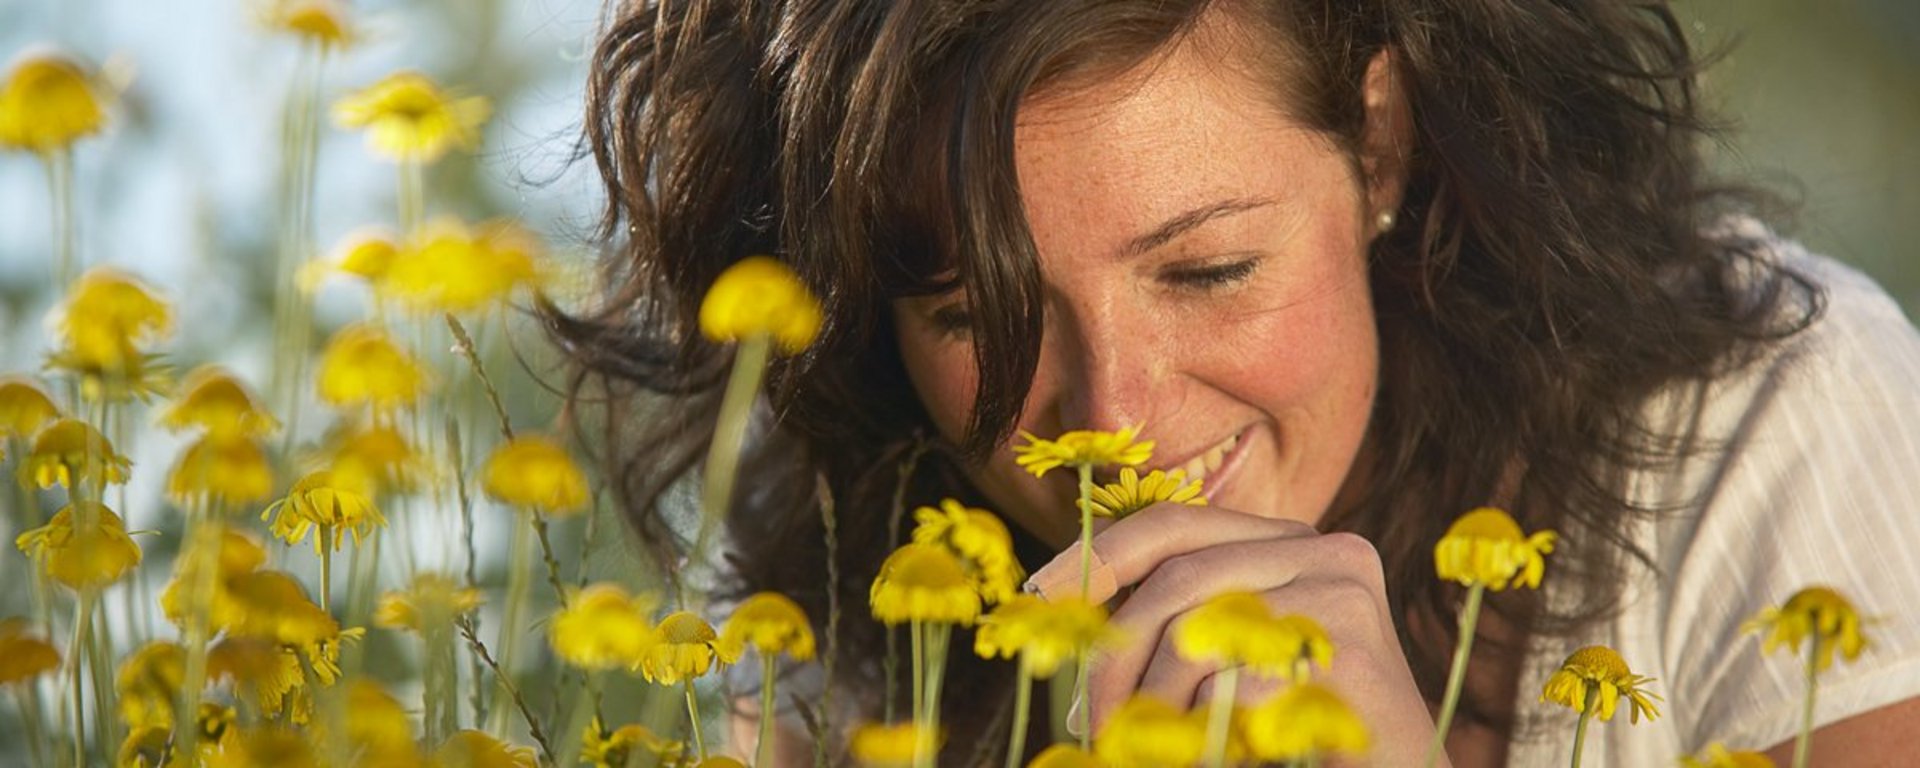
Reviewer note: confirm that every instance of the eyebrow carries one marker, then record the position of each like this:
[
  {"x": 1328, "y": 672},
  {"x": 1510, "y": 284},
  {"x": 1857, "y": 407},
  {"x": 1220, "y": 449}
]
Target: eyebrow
[{"x": 1184, "y": 222}]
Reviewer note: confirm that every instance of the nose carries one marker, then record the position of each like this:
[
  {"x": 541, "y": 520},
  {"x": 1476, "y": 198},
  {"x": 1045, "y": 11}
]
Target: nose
[{"x": 1102, "y": 360}]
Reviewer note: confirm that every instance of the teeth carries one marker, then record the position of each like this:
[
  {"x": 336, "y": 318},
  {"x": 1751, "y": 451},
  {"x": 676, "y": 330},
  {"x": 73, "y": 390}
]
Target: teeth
[{"x": 1197, "y": 467}]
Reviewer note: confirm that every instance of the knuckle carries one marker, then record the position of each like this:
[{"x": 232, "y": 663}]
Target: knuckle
[{"x": 1352, "y": 552}]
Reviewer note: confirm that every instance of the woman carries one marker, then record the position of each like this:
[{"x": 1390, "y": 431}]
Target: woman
[{"x": 1361, "y": 265}]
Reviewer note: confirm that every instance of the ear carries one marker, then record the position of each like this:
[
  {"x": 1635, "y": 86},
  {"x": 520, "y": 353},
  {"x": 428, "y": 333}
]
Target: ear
[{"x": 1386, "y": 143}]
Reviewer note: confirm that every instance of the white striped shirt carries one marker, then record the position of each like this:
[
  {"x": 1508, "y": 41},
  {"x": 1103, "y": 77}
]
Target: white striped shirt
[{"x": 1818, "y": 483}]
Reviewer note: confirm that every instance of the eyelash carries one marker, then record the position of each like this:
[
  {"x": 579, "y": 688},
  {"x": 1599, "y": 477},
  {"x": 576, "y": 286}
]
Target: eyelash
[{"x": 953, "y": 320}]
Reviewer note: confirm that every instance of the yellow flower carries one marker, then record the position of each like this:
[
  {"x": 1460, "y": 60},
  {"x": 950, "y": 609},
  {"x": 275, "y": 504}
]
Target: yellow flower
[
  {"x": 107, "y": 316},
  {"x": 1717, "y": 756},
  {"x": 603, "y": 628},
  {"x": 759, "y": 295},
  {"x": 271, "y": 745},
  {"x": 534, "y": 472},
  {"x": 90, "y": 554},
  {"x": 877, "y": 745},
  {"x": 377, "y": 457},
  {"x": 363, "y": 366},
  {"x": 321, "y": 22},
  {"x": 719, "y": 761},
  {"x": 1065, "y": 756},
  {"x": 772, "y": 623},
  {"x": 219, "y": 403},
  {"x": 1305, "y": 719},
  {"x": 611, "y": 749},
  {"x": 1600, "y": 669},
  {"x": 408, "y": 117},
  {"x": 224, "y": 470},
  {"x": 320, "y": 500},
  {"x": 432, "y": 602},
  {"x": 475, "y": 749},
  {"x": 450, "y": 268},
  {"x": 1238, "y": 629},
  {"x": 1083, "y": 447},
  {"x": 260, "y": 670},
  {"x": 919, "y": 582},
  {"x": 24, "y": 408},
  {"x": 23, "y": 656},
  {"x": 1046, "y": 633},
  {"x": 273, "y": 605},
  {"x": 1151, "y": 733},
  {"x": 148, "y": 683},
  {"x": 1134, "y": 493},
  {"x": 376, "y": 722},
  {"x": 1485, "y": 547},
  {"x": 235, "y": 555},
  {"x": 146, "y": 746},
  {"x": 1817, "y": 612},
  {"x": 687, "y": 649},
  {"x": 47, "y": 102},
  {"x": 71, "y": 451},
  {"x": 981, "y": 541}
]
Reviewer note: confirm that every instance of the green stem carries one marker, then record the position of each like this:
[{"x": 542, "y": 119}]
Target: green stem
[
  {"x": 326, "y": 567},
  {"x": 412, "y": 194},
  {"x": 729, "y": 433},
  {"x": 1580, "y": 730},
  {"x": 30, "y": 722},
  {"x": 517, "y": 589},
  {"x": 764, "y": 752},
  {"x": 1803, "y": 744},
  {"x": 1219, "y": 714},
  {"x": 204, "y": 548},
  {"x": 77, "y": 656},
  {"x": 693, "y": 719},
  {"x": 917, "y": 652},
  {"x": 1022, "y": 706},
  {"x": 60, "y": 191},
  {"x": 1457, "y": 676},
  {"x": 926, "y": 750},
  {"x": 1080, "y": 664}
]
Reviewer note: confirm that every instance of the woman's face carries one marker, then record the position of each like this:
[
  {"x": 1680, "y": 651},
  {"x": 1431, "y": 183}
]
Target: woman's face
[{"x": 1204, "y": 263}]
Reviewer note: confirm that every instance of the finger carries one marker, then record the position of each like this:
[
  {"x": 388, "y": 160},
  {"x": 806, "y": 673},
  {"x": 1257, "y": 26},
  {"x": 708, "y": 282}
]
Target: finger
[{"x": 1126, "y": 551}]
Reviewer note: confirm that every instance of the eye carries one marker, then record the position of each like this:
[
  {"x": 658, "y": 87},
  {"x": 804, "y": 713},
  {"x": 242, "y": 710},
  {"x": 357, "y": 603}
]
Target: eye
[
  {"x": 952, "y": 320},
  {"x": 1209, "y": 277}
]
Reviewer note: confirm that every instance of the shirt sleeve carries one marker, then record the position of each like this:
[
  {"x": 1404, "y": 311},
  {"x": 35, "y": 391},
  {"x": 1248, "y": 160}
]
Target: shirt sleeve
[{"x": 1817, "y": 482}]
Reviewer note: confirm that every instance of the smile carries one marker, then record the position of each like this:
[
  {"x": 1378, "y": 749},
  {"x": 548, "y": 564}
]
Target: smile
[{"x": 1210, "y": 460}]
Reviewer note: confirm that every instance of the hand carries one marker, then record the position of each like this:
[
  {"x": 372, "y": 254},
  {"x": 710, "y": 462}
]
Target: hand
[{"x": 1176, "y": 556}]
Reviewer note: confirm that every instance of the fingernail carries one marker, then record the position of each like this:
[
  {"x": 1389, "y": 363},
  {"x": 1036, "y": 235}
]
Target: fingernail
[{"x": 1060, "y": 578}]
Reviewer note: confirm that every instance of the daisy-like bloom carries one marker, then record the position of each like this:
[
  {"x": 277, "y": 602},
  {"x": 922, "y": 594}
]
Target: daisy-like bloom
[
  {"x": 1596, "y": 677},
  {"x": 320, "y": 500},
  {"x": 266, "y": 745},
  {"x": 219, "y": 403},
  {"x": 24, "y": 656},
  {"x": 534, "y": 473},
  {"x": 1146, "y": 732},
  {"x": 150, "y": 746},
  {"x": 1486, "y": 547},
  {"x": 260, "y": 671},
  {"x": 362, "y": 365},
  {"x": 1816, "y": 612},
  {"x": 70, "y": 452},
  {"x": 323, "y": 23},
  {"x": 376, "y": 721},
  {"x": 1238, "y": 629},
  {"x": 687, "y": 649},
  {"x": 1304, "y": 720},
  {"x": 603, "y": 628},
  {"x": 226, "y": 471},
  {"x": 1134, "y": 493},
  {"x": 980, "y": 539},
  {"x": 237, "y": 555},
  {"x": 877, "y": 745},
  {"x": 770, "y": 622},
  {"x": 106, "y": 319},
  {"x": 377, "y": 457},
  {"x": 1718, "y": 756},
  {"x": 476, "y": 749},
  {"x": 1083, "y": 447},
  {"x": 602, "y": 748},
  {"x": 1065, "y": 756},
  {"x": 148, "y": 683},
  {"x": 273, "y": 605},
  {"x": 920, "y": 582},
  {"x": 408, "y": 118},
  {"x": 1046, "y": 633},
  {"x": 47, "y": 102},
  {"x": 24, "y": 408},
  {"x": 432, "y": 602},
  {"x": 451, "y": 268},
  {"x": 759, "y": 296},
  {"x": 88, "y": 553}
]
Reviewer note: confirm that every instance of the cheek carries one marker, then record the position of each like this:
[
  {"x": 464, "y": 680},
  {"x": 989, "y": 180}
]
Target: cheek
[{"x": 944, "y": 378}]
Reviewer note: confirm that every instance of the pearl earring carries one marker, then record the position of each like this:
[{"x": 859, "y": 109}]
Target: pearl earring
[{"x": 1383, "y": 222}]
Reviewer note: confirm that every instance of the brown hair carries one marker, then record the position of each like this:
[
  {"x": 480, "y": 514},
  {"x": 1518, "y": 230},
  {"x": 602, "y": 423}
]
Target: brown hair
[{"x": 1549, "y": 274}]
